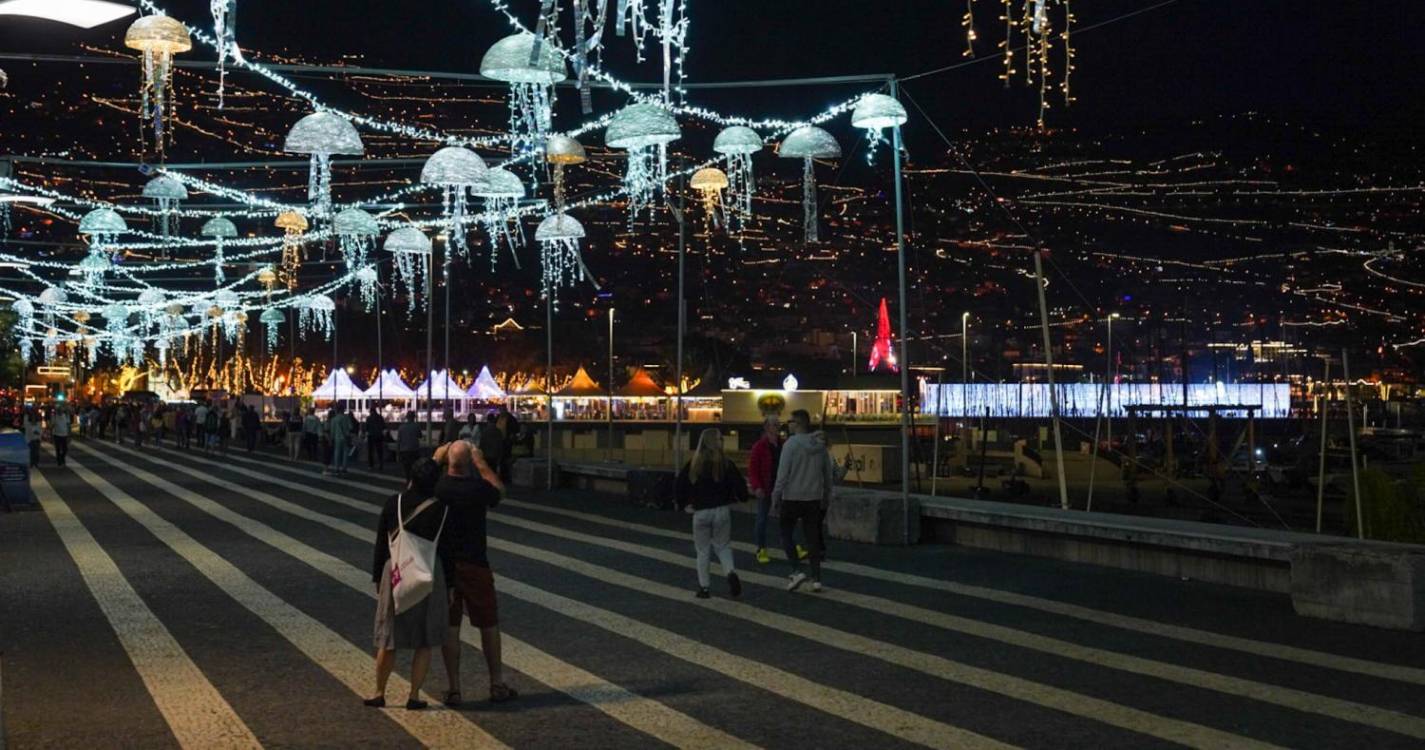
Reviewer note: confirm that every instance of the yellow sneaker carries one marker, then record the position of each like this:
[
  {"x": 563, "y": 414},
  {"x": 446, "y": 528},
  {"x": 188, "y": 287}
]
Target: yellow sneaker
[
  {"x": 762, "y": 557},
  {"x": 802, "y": 553}
]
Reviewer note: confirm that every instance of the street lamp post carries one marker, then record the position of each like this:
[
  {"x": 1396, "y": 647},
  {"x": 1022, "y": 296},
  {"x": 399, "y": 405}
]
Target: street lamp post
[
  {"x": 609, "y": 454},
  {"x": 1108, "y": 383},
  {"x": 854, "y": 351},
  {"x": 964, "y": 348}
]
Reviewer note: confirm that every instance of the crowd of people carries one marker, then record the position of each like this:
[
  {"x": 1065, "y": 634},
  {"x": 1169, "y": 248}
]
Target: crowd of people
[{"x": 430, "y": 566}]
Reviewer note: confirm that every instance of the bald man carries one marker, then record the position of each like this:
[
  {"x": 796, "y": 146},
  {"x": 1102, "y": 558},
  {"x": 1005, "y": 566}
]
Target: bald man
[{"x": 469, "y": 488}]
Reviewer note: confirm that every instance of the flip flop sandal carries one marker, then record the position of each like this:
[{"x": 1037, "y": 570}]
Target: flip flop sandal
[{"x": 502, "y": 693}]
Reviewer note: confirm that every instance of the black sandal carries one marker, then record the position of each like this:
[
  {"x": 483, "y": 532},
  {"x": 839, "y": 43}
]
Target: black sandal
[
  {"x": 452, "y": 699},
  {"x": 502, "y": 693},
  {"x": 414, "y": 705},
  {"x": 379, "y": 702}
]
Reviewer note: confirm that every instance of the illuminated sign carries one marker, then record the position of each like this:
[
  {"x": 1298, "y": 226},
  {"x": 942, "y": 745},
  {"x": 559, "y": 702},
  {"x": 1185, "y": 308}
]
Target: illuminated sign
[
  {"x": 738, "y": 384},
  {"x": 1082, "y": 400},
  {"x": 789, "y": 383}
]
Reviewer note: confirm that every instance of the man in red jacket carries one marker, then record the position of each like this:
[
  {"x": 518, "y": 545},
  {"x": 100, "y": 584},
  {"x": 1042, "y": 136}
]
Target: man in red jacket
[{"x": 762, "y": 475}]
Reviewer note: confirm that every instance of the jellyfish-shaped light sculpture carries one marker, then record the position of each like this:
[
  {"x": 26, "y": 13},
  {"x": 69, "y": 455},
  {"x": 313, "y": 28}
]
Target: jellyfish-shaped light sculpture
[
  {"x": 456, "y": 170},
  {"x": 173, "y": 322},
  {"x": 316, "y": 315},
  {"x": 809, "y": 143},
  {"x": 562, "y": 151},
  {"x": 151, "y": 303},
  {"x": 874, "y": 113},
  {"x": 410, "y": 251},
  {"x": 25, "y": 320},
  {"x": 293, "y": 225},
  {"x": 220, "y": 230},
  {"x": 356, "y": 233},
  {"x": 227, "y": 302},
  {"x": 739, "y": 143},
  {"x": 531, "y": 75},
  {"x": 367, "y": 282},
  {"x": 51, "y": 299},
  {"x": 322, "y": 135},
  {"x": 225, "y": 35},
  {"x": 268, "y": 278},
  {"x": 51, "y": 346},
  {"x": 166, "y": 193},
  {"x": 558, "y": 237},
  {"x": 502, "y": 192},
  {"x": 710, "y": 182},
  {"x": 101, "y": 227},
  {"x": 644, "y": 130},
  {"x": 272, "y": 320},
  {"x": 116, "y": 325},
  {"x": 157, "y": 38}
]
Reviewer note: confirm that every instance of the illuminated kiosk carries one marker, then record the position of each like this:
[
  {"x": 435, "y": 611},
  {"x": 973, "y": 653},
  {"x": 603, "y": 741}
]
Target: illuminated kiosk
[
  {"x": 338, "y": 388},
  {"x": 581, "y": 400},
  {"x": 641, "y": 400}
]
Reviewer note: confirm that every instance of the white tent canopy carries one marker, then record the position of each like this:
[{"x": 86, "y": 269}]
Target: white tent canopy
[
  {"x": 337, "y": 387},
  {"x": 442, "y": 388},
  {"x": 390, "y": 387},
  {"x": 485, "y": 388}
]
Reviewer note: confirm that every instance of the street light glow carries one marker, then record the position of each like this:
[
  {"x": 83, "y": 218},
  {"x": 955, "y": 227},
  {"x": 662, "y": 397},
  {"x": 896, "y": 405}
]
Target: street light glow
[{"x": 86, "y": 14}]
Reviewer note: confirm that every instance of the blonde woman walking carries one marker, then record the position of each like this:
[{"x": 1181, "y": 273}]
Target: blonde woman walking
[{"x": 707, "y": 486}]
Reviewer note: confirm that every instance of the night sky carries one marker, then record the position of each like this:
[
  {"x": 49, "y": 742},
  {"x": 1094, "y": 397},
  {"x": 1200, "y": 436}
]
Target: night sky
[{"x": 1341, "y": 66}]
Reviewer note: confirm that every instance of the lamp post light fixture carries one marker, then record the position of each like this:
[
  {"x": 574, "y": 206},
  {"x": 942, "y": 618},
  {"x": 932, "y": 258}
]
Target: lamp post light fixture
[{"x": 86, "y": 14}]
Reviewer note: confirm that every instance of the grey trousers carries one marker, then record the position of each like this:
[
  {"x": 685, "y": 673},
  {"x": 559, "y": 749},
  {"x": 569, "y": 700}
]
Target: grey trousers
[{"x": 712, "y": 532}]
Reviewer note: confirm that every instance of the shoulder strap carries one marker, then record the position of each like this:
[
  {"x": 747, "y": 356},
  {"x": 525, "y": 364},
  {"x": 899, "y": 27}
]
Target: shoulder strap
[{"x": 401, "y": 521}]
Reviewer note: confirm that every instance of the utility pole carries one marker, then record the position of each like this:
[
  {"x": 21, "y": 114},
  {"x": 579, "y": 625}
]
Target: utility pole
[
  {"x": 1351, "y": 432},
  {"x": 682, "y": 326},
  {"x": 1053, "y": 394},
  {"x": 609, "y": 454},
  {"x": 1323, "y": 406},
  {"x": 906, "y": 423}
]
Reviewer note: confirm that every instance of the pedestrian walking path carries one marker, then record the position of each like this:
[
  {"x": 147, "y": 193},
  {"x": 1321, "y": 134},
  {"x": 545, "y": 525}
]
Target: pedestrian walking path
[{"x": 226, "y": 601}]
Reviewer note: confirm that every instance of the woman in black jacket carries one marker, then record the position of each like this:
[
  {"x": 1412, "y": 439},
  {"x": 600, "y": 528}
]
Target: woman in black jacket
[
  {"x": 423, "y": 625},
  {"x": 707, "y": 486}
]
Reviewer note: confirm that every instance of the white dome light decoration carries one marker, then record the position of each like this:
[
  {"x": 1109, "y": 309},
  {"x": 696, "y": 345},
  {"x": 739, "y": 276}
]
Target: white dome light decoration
[
  {"x": 644, "y": 130},
  {"x": 25, "y": 312},
  {"x": 807, "y": 143},
  {"x": 272, "y": 319},
  {"x": 226, "y": 302},
  {"x": 558, "y": 237},
  {"x": 410, "y": 249},
  {"x": 219, "y": 229},
  {"x": 316, "y": 315},
  {"x": 322, "y": 135},
  {"x": 158, "y": 38},
  {"x": 874, "y": 113},
  {"x": 101, "y": 227},
  {"x": 116, "y": 324},
  {"x": 50, "y": 299},
  {"x": 710, "y": 182},
  {"x": 531, "y": 67},
  {"x": 739, "y": 143},
  {"x": 367, "y": 280},
  {"x": 502, "y": 192},
  {"x": 356, "y": 232},
  {"x": 166, "y": 193},
  {"x": 456, "y": 169},
  {"x": 151, "y": 302},
  {"x": 562, "y": 151}
]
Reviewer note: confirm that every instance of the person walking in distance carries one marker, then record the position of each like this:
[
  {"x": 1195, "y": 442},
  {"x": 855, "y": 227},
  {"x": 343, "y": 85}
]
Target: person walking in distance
[
  {"x": 802, "y": 492},
  {"x": 408, "y": 442},
  {"x": 470, "y": 488},
  {"x": 59, "y": 432},
  {"x": 340, "y": 427},
  {"x": 762, "y": 475},
  {"x": 311, "y": 434},
  {"x": 375, "y": 440},
  {"x": 707, "y": 485},
  {"x": 33, "y": 432},
  {"x": 294, "y": 433},
  {"x": 422, "y": 626}
]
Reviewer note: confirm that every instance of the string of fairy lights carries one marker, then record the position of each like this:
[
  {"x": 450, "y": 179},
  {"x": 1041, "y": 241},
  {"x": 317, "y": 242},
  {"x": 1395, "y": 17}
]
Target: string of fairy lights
[{"x": 63, "y": 315}]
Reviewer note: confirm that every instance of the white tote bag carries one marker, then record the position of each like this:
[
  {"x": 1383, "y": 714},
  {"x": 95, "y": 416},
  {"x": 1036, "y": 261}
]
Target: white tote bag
[{"x": 413, "y": 560}]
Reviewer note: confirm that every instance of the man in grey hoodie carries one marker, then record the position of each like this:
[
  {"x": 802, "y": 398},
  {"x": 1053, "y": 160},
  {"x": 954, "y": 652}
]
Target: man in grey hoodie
[{"x": 805, "y": 477}]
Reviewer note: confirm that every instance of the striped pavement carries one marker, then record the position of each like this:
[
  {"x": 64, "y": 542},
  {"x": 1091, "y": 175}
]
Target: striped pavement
[{"x": 167, "y": 599}]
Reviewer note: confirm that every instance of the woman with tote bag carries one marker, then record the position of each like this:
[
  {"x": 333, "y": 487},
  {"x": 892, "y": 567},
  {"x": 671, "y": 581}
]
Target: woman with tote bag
[{"x": 411, "y": 606}]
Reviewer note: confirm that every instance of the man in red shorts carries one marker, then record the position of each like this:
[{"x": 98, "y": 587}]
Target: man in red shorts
[{"x": 469, "y": 488}]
